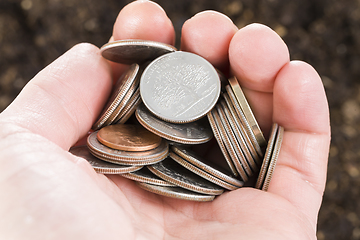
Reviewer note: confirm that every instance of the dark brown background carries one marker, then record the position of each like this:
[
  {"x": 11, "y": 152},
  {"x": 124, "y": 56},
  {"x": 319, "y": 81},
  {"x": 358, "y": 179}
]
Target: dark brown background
[{"x": 324, "y": 33}]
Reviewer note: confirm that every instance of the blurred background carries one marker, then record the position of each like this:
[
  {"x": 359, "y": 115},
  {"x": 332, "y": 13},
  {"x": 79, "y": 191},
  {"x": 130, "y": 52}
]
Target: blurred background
[{"x": 325, "y": 33}]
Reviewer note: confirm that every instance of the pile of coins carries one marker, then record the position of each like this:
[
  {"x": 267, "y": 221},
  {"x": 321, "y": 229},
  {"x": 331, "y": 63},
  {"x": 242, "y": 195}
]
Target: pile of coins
[{"x": 180, "y": 102}]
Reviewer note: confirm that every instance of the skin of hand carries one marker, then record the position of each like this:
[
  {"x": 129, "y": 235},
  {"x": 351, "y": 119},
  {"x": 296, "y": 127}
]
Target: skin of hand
[{"x": 47, "y": 193}]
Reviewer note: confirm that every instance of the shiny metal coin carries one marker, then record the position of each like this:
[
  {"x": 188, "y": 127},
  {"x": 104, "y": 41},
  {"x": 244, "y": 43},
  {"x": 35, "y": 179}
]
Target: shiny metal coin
[
  {"x": 241, "y": 117},
  {"x": 171, "y": 171},
  {"x": 121, "y": 88},
  {"x": 180, "y": 87},
  {"x": 129, "y": 108},
  {"x": 99, "y": 165},
  {"x": 134, "y": 50},
  {"x": 187, "y": 133},
  {"x": 221, "y": 143},
  {"x": 206, "y": 166},
  {"x": 144, "y": 175},
  {"x": 269, "y": 150},
  {"x": 225, "y": 138},
  {"x": 274, "y": 157},
  {"x": 176, "y": 192},
  {"x": 126, "y": 157},
  {"x": 236, "y": 136},
  {"x": 201, "y": 173},
  {"x": 247, "y": 111},
  {"x": 128, "y": 137},
  {"x": 239, "y": 129}
]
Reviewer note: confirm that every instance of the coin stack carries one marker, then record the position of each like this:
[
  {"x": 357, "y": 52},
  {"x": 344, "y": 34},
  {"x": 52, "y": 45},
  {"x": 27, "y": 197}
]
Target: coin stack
[{"x": 179, "y": 105}]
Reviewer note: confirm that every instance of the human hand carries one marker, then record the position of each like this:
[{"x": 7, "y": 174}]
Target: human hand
[{"x": 47, "y": 193}]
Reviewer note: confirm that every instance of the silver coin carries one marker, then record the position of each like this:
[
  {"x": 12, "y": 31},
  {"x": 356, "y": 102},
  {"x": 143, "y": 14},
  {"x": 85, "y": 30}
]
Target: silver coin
[
  {"x": 99, "y": 165},
  {"x": 230, "y": 148},
  {"x": 134, "y": 50},
  {"x": 236, "y": 136},
  {"x": 126, "y": 157},
  {"x": 180, "y": 87},
  {"x": 129, "y": 108},
  {"x": 239, "y": 129},
  {"x": 173, "y": 172},
  {"x": 201, "y": 173},
  {"x": 207, "y": 166},
  {"x": 241, "y": 117},
  {"x": 221, "y": 143},
  {"x": 240, "y": 96},
  {"x": 187, "y": 133},
  {"x": 176, "y": 192},
  {"x": 121, "y": 88},
  {"x": 144, "y": 175},
  {"x": 267, "y": 157},
  {"x": 274, "y": 157}
]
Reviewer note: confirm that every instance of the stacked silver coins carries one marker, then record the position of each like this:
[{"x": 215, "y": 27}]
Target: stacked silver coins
[{"x": 179, "y": 106}]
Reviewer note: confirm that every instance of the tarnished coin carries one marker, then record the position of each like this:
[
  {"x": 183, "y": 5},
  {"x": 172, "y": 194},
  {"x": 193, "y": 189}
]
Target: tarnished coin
[
  {"x": 187, "y": 133},
  {"x": 176, "y": 192},
  {"x": 134, "y": 50},
  {"x": 180, "y": 87},
  {"x": 144, "y": 175},
  {"x": 126, "y": 157},
  {"x": 274, "y": 157},
  {"x": 173, "y": 172},
  {"x": 207, "y": 166},
  {"x": 99, "y": 165},
  {"x": 121, "y": 88},
  {"x": 128, "y": 137},
  {"x": 247, "y": 111},
  {"x": 201, "y": 173}
]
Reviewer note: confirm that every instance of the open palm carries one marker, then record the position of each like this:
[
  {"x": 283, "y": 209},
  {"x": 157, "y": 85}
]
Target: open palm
[{"x": 47, "y": 193}]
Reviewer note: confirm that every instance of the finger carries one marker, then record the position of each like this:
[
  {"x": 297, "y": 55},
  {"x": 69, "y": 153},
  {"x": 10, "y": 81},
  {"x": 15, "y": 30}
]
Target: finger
[
  {"x": 256, "y": 55},
  {"x": 208, "y": 34},
  {"x": 142, "y": 20},
  {"x": 62, "y": 101},
  {"x": 300, "y": 106}
]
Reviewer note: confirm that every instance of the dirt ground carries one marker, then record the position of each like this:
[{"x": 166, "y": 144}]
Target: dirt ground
[{"x": 324, "y": 33}]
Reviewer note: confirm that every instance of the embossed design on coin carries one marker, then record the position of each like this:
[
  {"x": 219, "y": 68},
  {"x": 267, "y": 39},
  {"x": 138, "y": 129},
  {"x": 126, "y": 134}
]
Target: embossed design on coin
[
  {"x": 180, "y": 87},
  {"x": 176, "y": 192},
  {"x": 99, "y": 165},
  {"x": 173, "y": 172},
  {"x": 187, "y": 133},
  {"x": 128, "y": 137},
  {"x": 134, "y": 50}
]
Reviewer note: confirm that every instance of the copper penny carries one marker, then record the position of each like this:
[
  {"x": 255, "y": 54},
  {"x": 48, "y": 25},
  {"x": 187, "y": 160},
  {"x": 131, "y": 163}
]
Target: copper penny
[{"x": 128, "y": 137}]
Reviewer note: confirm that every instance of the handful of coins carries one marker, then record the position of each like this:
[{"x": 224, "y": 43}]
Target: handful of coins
[{"x": 180, "y": 102}]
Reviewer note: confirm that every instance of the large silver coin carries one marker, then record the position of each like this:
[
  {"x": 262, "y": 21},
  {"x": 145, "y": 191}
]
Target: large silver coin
[
  {"x": 187, "y": 133},
  {"x": 176, "y": 192},
  {"x": 99, "y": 165},
  {"x": 126, "y": 157},
  {"x": 180, "y": 87},
  {"x": 134, "y": 50},
  {"x": 207, "y": 166},
  {"x": 173, "y": 172}
]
